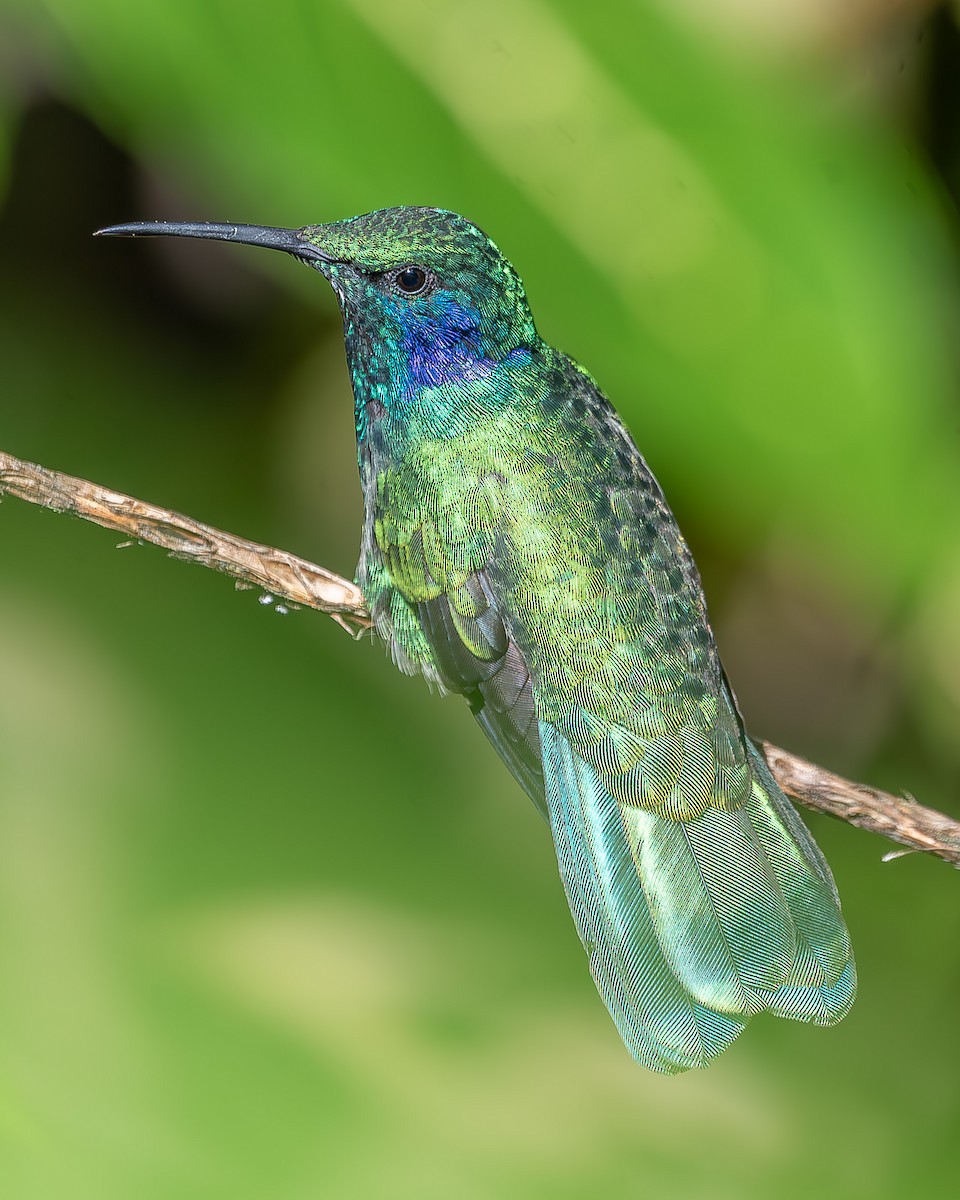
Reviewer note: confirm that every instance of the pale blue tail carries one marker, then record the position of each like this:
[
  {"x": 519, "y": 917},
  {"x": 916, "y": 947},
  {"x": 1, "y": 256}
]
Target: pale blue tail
[{"x": 694, "y": 926}]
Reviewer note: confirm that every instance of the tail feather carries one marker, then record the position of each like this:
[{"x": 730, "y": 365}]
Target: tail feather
[
  {"x": 823, "y": 983},
  {"x": 720, "y": 915},
  {"x": 663, "y": 1025}
]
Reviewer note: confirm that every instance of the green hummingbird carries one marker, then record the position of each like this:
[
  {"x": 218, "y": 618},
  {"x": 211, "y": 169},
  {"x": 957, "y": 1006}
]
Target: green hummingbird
[{"x": 517, "y": 550}]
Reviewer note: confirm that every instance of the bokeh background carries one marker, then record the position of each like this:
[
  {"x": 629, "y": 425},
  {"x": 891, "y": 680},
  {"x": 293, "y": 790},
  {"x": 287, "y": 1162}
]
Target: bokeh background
[{"x": 275, "y": 921}]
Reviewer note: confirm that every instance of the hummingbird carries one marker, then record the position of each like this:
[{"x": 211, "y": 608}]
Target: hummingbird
[{"x": 517, "y": 550}]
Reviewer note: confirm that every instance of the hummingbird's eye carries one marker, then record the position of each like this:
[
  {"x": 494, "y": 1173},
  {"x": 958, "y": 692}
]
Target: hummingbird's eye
[{"x": 412, "y": 281}]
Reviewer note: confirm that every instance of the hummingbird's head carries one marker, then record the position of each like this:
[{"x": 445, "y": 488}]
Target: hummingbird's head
[
  {"x": 430, "y": 306},
  {"x": 416, "y": 275}
]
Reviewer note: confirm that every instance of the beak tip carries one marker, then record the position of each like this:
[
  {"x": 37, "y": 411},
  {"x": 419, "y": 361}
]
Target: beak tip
[{"x": 130, "y": 230}]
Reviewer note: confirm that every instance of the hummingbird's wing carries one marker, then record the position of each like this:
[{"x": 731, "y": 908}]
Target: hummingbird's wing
[
  {"x": 429, "y": 587},
  {"x": 476, "y": 657}
]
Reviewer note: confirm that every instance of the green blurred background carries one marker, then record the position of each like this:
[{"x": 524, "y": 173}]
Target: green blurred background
[{"x": 275, "y": 921}]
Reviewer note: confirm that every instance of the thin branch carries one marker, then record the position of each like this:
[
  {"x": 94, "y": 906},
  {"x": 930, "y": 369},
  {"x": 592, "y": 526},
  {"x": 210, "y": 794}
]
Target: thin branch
[
  {"x": 283, "y": 575},
  {"x": 899, "y": 818},
  {"x": 293, "y": 579}
]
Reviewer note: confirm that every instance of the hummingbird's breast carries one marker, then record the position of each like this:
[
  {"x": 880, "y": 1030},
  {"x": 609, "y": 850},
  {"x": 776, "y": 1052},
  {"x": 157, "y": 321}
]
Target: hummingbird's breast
[{"x": 549, "y": 500}]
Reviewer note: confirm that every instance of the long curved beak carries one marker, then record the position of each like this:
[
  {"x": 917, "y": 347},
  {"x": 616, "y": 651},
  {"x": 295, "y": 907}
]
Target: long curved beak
[{"x": 293, "y": 241}]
